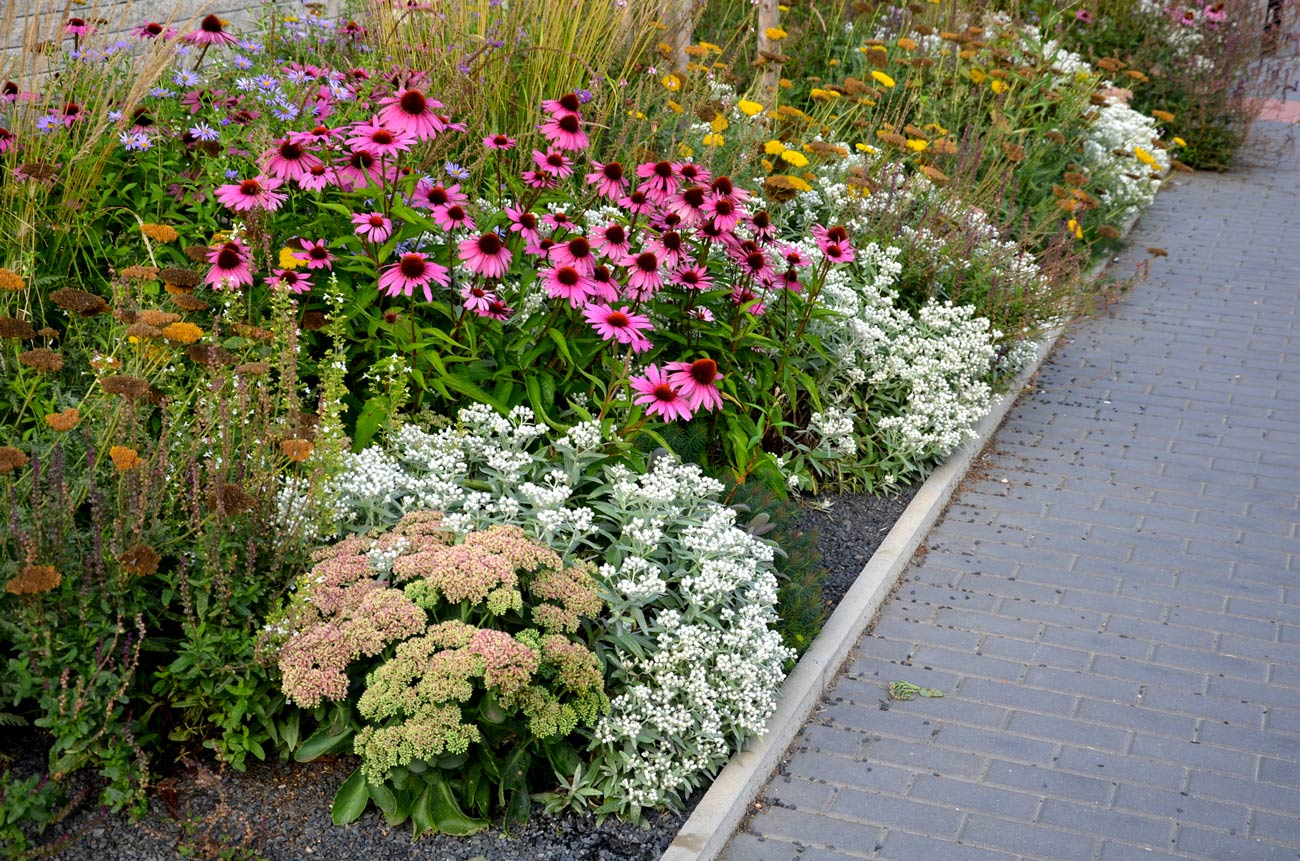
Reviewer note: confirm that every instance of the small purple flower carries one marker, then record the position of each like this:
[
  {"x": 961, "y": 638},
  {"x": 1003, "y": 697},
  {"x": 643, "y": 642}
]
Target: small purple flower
[
  {"x": 250, "y": 46},
  {"x": 242, "y": 62},
  {"x": 285, "y": 112},
  {"x": 114, "y": 116},
  {"x": 584, "y": 96},
  {"x": 204, "y": 132},
  {"x": 47, "y": 123},
  {"x": 455, "y": 171},
  {"x": 186, "y": 78},
  {"x": 231, "y": 173},
  {"x": 160, "y": 93}
]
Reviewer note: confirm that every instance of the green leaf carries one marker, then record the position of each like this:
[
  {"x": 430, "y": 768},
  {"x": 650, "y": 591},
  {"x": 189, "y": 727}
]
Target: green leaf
[
  {"x": 422, "y": 814},
  {"x": 351, "y": 799},
  {"x": 290, "y": 731},
  {"x": 389, "y": 803},
  {"x": 372, "y": 416},
  {"x": 518, "y": 806},
  {"x": 322, "y": 743},
  {"x": 563, "y": 757},
  {"x": 448, "y": 817}
]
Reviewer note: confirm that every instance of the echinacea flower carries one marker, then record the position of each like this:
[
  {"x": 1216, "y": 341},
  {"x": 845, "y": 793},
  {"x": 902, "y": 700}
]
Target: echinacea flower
[
  {"x": 410, "y": 112},
  {"x": 608, "y": 178},
  {"x": 212, "y": 31},
  {"x": 477, "y": 298},
  {"x": 379, "y": 140},
  {"x": 486, "y": 255},
  {"x": 452, "y": 217},
  {"x": 603, "y": 285},
  {"x": 636, "y": 203},
  {"x": 318, "y": 177},
  {"x": 693, "y": 278},
  {"x": 834, "y": 243},
  {"x": 430, "y": 195},
  {"x": 359, "y": 169},
  {"x": 373, "y": 226},
  {"x": 688, "y": 204},
  {"x": 152, "y": 30},
  {"x": 565, "y": 282},
  {"x": 229, "y": 267},
  {"x": 566, "y": 133},
  {"x": 643, "y": 276},
  {"x": 661, "y": 180},
  {"x": 670, "y": 247},
  {"x": 659, "y": 396},
  {"x": 576, "y": 252},
  {"x": 554, "y": 163},
  {"x": 723, "y": 211},
  {"x": 698, "y": 383},
  {"x": 612, "y": 240},
  {"x": 316, "y": 254},
  {"x": 496, "y": 310},
  {"x": 78, "y": 28},
  {"x": 289, "y": 160},
  {"x": 524, "y": 223},
  {"x": 620, "y": 325},
  {"x": 413, "y": 270},
  {"x": 499, "y": 142},
  {"x": 257, "y": 193},
  {"x": 290, "y": 281},
  {"x": 569, "y": 103}
]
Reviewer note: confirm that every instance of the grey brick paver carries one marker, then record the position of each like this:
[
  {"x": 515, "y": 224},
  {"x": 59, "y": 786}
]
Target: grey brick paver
[{"x": 1112, "y": 609}]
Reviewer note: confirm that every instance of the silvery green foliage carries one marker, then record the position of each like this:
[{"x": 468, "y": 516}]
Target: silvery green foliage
[
  {"x": 1127, "y": 184},
  {"x": 693, "y": 665}
]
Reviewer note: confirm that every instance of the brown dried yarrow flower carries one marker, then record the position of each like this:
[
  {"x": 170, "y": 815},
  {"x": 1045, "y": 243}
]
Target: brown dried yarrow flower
[
  {"x": 140, "y": 559},
  {"x": 1108, "y": 231},
  {"x": 11, "y": 458},
  {"x": 189, "y": 303},
  {"x": 42, "y": 359},
  {"x": 159, "y": 232},
  {"x": 141, "y": 273},
  {"x": 124, "y": 458},
  {"x": 126, "y": 386},
  {"x": 1157, "y": 252},
  {"x": 209, "y": 354},
  {"x": 180, "y": 277},
  {"x": 253, "y": 333},
  {"x": 47, "y": 332},
  {"x": 64, "y": 421},
  {"x": 197, "y": 253},
  {"x": 158, "y": 318},
  {"x": 33, "y": 580},
  {"x": 79, "y": 301},
  {"x": 230, "y": 498},
  {"x": 252, "y": 369},
  {"x": 313, "y": 321},
  {"x": 19, "y": 329},
  {"x": 11, "y": 280},
  {"x": 143, "y": 331}
]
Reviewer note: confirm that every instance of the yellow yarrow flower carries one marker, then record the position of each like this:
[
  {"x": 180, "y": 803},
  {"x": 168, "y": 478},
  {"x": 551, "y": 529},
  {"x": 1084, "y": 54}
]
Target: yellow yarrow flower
[
  {"x": 1145, "y": 157},
  {"x": 907, "y": 44},
  {"x": 1075, "y": 229},
  {"x": 917, "y": 145},
  {"x": 749, "y": 108},
  {"x": 773, "y": 147},
  {"x": 288, "y": 261},
  {"x": 998, "y": 86},
  {"x": 867, "y": 148},
  {"x": 785, "y": 83},
  {"x": 882, "y": 79},
  {"x": 714, "y": 140},
  {"x": 767, "y": 165},
  {"x": 977, "y": 76},
  {"x": 776, "y": 34},
  {"x": 672, "y": 82},
  {"x": 820, "y": 95},
  {"x": 794, "y": 157},
  {"x": 685, "y": 151},
  {"x": 719, "y": 123},
  {"x": 1180, "y": 141}
]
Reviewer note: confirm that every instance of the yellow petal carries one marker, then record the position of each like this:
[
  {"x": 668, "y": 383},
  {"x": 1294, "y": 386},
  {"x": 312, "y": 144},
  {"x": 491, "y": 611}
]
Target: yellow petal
[
  {"x": 749, "y": 108},
  {"x": 882, "y": 79}
]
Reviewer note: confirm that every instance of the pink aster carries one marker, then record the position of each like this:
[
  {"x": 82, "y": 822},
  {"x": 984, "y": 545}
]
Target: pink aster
[
  {"x": 411, "y": 271},
  {"x": 554, "y": 163},
  {"x": 410, "y": 112},
  {"x": 698, "y": 383},
  {"x": 249, "y": 194},
  {"x": 565, "y": 282},
  {"x": 373, "y": 226},
  {"x": 609, "y": 179},
  {"x": 452, "y": 217},
  {"x": 289, "y": 160},
  {"x": 659, "y": 396},
  {"x": 376, "y": 138},
  {"x": 212, "y": 31},
  {"x": 565, "y": 132},
  {"x": 643, "y": 276},
  {"x": 291, "y": 281},
  {"x": 229, "y": 267},
  {"x": 315, "y": 253},
  {"x": 486, "y": 255},
  {"x": 500, "y": 142},
  {"x": 620, "y": 325}
]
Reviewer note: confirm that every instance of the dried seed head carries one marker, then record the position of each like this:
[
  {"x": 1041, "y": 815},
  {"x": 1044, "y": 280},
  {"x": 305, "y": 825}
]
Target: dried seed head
[
  {"x": 209, "y": 354},
  {"x": 79, "y": 301},
  {"x": 313, "y": 321},
  {"x": 141, "y": 273},
  {"x": 197, "y": 253},
  {"x": 42, "y": 359},
  {"x": 18, "y": 329},
  {"x": 230, "y": 498},
  {"x": 252, "y": 369},
  {"x": 178, "y": 277},
  {"x": 64, "y": 421},
  {"x": 11, "y": 458},
  {"x": 158, "y": 318},
  {"x": 126, "y": 386},
  {"x": 1108, "y": 231},
  {"x": 296, "y": 450},
  {"x": 189, "y": 303},
  {"x": 11, "y": 280},
  {"x": 33, "y": 580},
  {"x": 253, "y": 333},
  {"x": 140, "y": 559}
]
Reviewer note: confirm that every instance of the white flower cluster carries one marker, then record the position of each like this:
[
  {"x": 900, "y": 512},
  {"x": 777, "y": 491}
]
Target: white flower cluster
[
  {"x": 1110, "y": 150},
  {"x": 836, "y": 429},
  {"x": 694, "y": 664}
]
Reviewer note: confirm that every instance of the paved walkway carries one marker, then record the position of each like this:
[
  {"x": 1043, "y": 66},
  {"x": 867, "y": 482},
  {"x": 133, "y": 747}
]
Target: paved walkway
[{"x": 1112, "y": 605}]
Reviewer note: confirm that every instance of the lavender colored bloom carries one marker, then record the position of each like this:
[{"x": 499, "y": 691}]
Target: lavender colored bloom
[
  {"x": 114, "y": 116},
  {"x": 285, "y": 112},
  {"x": 204, "y": 132},
  {"x": 455, "y": 171},
  {"x": 161, "y": 93},
  {"x": 267, "y": 83},
  {"x": 250, "y": 46},
  {"x": 186, "y": 78},
  {"x": 584, "y": 96},
  {"x": 242, "y": 62},
  {"x": 231, "y": 173},
  {"x": 47, "y": 123}
]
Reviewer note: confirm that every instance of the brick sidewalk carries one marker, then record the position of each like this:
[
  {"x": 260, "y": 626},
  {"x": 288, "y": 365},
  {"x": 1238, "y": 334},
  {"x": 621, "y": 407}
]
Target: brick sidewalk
[{"x": 1112, "y": 607}]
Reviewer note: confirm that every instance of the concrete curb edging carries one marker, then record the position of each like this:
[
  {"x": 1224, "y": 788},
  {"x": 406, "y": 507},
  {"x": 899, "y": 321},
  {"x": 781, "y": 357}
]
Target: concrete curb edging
[{"x": 708, "y": 830}]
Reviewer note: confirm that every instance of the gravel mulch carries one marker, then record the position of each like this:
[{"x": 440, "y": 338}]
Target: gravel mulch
[{"x": 280, "y": 811}]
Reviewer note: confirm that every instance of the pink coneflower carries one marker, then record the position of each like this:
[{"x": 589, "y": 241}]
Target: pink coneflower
[
  {"x": 376, "y": 138},
  {"x": 538, "y": 179},
  {"x": 761, "y": 226},
  {"x": 318, "y": 177},
  {"x": 834, "y": 243},
  {"x": 789, "y": 279},
  {"x": 754, "y": 263},
  {"x": 1083, "y": 15},
  {"x": 257, "y": 193},
  {"x": 496, "y": 310},
  {"x": 794, "y": 257},
  {"x": 608, "y": 178},
  {"x": 486, "y": 255},
  {"x": 567, "y": 104},
  {"x": 359, "y": 169},
  {"x": 317, "y": 136},
  {"x": 691, "y": 173},
  {"x": 501, "y": 142},
  {"x": 576, "y": 252},
  {"x": 477, "y": 298},
  {"x": 659, "y": 397},
  {"x": 152, "y": 30},
  {"x": 698, "y": 383},
  {"x": 78, "y": 28},
  {"x": 688, "y": 204},
  {"x": 603, "y": 285},
  {"x": 315, "y": 253},
  {"x": 430, "y": 195},
  {"x": 229, "y": 267},
  {"x": 743, "y": 297},
  {"x": 637, "y": 203},
  {"x": 373, "y": 226},
  {"x": 523, "y": 223},
  {"x": 565, "y": 282},
  {"x": 612, "y": 241},
  {"x": 72, "y": 112},
  {"x": 660, "y": 180},
  {"x": 1216, "y": 13},
  {"x": 566, "y": 133},
  {"x": 700, "y": 313},
  {"x": 693, "y": 278},
  {"x": 558, "y": 221},
  {"x": 554, "y": 163},
  {"x": 724, "y": 212},
  {"x": 212, "y": 31},
  {"x": 541, "y": 248},
  {"x": 288, "y": 160},
  {"x": 410, "y": 271},
  {"x": 643, "y": 276},
  {"x": 620, "y": 325},
  {"x": 288, "y": 279},
  {"x": 722, "y": 186},
  {"x": 670, "y": 247},
  {"x": 410, "y": 113},
  {"x": 452, "y": 217}
]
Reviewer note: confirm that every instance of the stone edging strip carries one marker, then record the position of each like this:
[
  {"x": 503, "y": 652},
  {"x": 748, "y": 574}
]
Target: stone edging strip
[{"x": 706, "y": 833}]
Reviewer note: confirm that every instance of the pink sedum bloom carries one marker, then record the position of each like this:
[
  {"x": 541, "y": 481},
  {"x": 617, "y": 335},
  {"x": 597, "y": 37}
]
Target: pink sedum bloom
[
  {"x": 249, "y": 194},
  {"x": 620, "y": 325},
  {"x": 657, "y": 394},
  {"x": 486, "y": 255},
  {"x": 411, "y": 271},
  {"x": 698, "y": 383},
  {"x": 373, "y": 226}
]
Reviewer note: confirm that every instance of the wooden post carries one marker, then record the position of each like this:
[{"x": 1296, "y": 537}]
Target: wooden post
[
  {"x": 681, "y": 26},
  {"x": 769, "y": 52}
]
